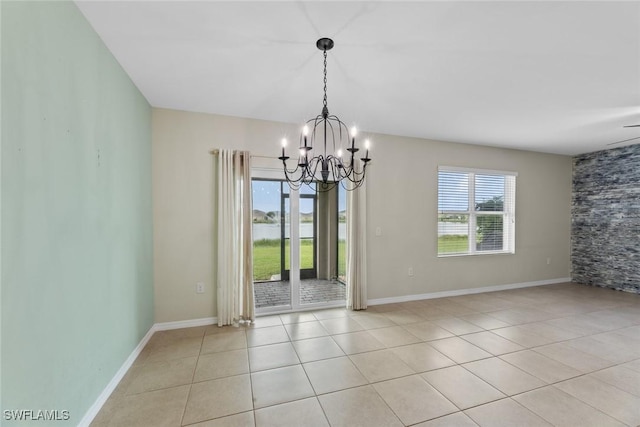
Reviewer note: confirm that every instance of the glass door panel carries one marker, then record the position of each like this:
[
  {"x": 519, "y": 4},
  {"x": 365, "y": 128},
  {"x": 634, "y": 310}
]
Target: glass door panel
[
  {"x": 267, "y": 230},
  {"x": 307, "y": 236},
  {"x": 270, "y": 232},
  {"x": 286, "y": 236},
  {"x": 342, "y": 234}
]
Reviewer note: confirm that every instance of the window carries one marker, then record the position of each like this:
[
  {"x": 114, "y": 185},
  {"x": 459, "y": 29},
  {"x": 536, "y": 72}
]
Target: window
[{"x": 476, "y": 211}]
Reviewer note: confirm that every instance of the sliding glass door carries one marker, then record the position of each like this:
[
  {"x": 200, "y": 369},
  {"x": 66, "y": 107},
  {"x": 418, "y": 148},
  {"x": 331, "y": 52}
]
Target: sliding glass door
[{"x": 296, "y": 253}]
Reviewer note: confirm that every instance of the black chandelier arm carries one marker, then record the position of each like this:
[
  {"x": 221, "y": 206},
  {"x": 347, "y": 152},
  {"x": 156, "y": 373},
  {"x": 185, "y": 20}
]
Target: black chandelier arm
[
  {"x": 342, "y": 171},
  {"x": 333, "y": 135},
  {"x": 356, "y": 178},
  {"x": 295, "y": 183},
  {"x": 352, "y": 182},
  {"x": 341, "y": 127},
  {"x": 332, "y": 122},
  {"x": 348, "y": 176},
  {"x": 300, "y": 167},
  {"x": 331, "y": 159},
  {"x": 316, "y": 120},
  {"x": 351, "y": 172},
  {"x": 304, "y": 170}
]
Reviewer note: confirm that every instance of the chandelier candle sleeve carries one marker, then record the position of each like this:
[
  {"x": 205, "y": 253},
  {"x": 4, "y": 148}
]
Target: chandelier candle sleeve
[
  {"x": 305, "y": 132},
  {"x": 327, "y": 167},
  {"x": 303, "y": 158}
]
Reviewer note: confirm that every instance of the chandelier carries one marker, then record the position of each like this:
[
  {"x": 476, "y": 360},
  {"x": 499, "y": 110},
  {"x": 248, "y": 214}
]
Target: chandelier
[{"x": 332, "y": 166}]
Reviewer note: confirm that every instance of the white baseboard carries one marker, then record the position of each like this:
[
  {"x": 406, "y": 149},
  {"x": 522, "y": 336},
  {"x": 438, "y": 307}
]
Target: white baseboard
[
  {"x": 165, "y": 326},
  {"x": 100, "y": 401},
  {"x": 460, "y": 292}
]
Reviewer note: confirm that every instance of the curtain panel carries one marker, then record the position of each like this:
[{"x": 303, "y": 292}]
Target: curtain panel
[
  {"x": 357, "y": 248},
  {"x": 235, "y": 299}
]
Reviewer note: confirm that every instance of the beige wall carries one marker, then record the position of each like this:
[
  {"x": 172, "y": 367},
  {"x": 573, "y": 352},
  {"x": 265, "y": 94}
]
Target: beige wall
[{"x": 402, "y": 199}]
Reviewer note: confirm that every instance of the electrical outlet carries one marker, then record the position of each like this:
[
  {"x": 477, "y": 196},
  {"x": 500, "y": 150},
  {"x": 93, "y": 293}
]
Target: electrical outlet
[
  {"x": 410, "y": 271},
  {"x": 199, "y": 288}
]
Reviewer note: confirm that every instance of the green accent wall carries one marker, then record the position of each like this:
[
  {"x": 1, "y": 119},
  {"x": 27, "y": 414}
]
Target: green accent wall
[{"x": 76, "y": 212}]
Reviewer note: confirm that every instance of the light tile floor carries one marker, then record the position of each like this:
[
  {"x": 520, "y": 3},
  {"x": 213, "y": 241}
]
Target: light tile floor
[{"x": 563, "y": 355}]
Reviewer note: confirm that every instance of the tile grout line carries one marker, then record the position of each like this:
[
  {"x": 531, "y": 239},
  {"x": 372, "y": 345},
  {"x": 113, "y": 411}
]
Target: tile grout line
[
  {"x": 315, "y": 393},
  {"x": 253, "y": 403}
]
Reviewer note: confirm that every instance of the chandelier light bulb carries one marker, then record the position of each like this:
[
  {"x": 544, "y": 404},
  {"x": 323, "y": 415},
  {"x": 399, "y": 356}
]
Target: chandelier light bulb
[
  {"x": 339, "y": 153},
  {"x": 354, "y": 132},
  {"x": 284, "y": 144},
  {"x": 367, "y": 143},
  {"x": 305, "y": 130}
]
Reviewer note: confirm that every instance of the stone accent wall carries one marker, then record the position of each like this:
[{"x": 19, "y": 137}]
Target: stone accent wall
[{"x": 605, "y": 232}]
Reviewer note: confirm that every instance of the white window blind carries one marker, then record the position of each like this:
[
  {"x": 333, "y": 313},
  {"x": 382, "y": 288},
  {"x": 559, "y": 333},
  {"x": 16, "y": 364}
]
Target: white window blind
[{"x": 476, "y": 211}]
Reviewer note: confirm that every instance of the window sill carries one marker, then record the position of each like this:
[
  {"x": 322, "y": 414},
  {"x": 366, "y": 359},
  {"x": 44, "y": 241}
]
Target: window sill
[{"x": 476, "y": 254}]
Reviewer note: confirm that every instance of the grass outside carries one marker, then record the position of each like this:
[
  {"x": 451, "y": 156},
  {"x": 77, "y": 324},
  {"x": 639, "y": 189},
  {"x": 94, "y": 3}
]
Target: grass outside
[
  {"x": 455, "y": 244},
  {"x": 342, "y": 258},
  {"x": 266, "y": 254},
  {"x": 266, "y": 257},
  {"x": 450, "y": 244}
]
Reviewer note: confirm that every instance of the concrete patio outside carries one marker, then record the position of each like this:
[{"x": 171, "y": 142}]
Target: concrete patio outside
[{"x": 277, "y": 293}]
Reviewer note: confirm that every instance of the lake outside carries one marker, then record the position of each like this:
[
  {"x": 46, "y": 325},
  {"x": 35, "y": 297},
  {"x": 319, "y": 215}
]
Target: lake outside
[{"x": 272, "y": 231}]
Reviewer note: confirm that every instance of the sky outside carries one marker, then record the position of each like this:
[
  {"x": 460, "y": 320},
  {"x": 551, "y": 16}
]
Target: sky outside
[{"x": 266, "y": 196}]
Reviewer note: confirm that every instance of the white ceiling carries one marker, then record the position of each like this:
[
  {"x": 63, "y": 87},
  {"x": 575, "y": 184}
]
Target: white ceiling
[{"x": 557, "y": 77}]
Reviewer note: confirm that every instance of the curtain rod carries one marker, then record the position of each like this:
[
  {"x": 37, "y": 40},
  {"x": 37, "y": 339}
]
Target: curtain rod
[{"x": 217, "y": 151}]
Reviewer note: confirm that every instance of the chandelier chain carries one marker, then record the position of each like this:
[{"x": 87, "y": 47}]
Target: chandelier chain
[{"x": 324, "y": 101}]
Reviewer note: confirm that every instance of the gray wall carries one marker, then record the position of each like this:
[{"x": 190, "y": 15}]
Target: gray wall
[
  {"x": 402, "y": 195},
  {"x": 605, "y": 234}
]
